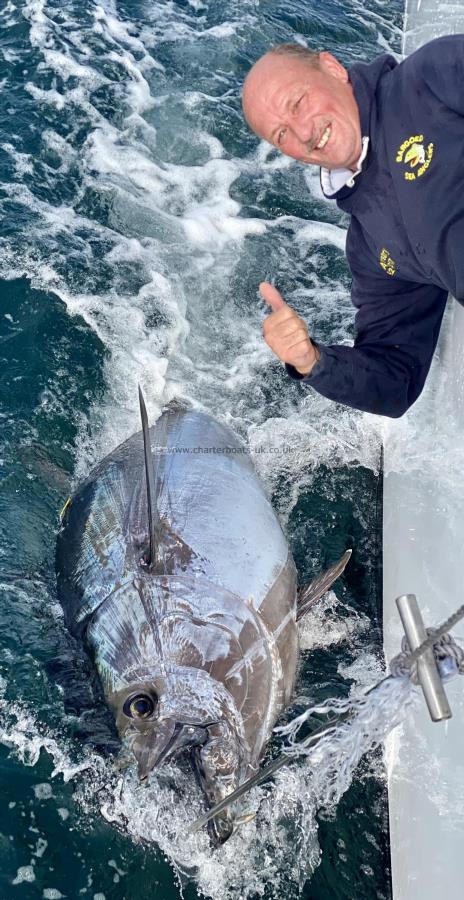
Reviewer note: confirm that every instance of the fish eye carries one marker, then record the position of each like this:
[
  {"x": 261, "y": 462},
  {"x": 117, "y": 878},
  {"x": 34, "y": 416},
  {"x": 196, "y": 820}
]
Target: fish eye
[{"x": 139, "y": 706}]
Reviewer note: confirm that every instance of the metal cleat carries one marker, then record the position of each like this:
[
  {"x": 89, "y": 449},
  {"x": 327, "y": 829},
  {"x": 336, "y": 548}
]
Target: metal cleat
[{"x": 428, "y": 673}]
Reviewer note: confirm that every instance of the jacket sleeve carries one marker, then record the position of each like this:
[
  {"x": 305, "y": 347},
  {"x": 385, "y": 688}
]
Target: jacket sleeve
[
  {"x": 397, "y": 326},
  {"x": 440, "y": 64}
]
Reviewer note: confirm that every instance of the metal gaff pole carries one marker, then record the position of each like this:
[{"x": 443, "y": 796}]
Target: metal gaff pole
[{"x": 427, "y": 671}]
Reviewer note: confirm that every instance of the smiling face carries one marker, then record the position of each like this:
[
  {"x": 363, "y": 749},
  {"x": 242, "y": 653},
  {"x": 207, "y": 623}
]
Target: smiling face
[{"x": 307, "y": 111}]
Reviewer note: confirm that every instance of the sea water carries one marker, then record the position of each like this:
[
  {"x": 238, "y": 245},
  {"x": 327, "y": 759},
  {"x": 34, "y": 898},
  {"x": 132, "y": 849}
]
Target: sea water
[{"x": 138, "y": 215}]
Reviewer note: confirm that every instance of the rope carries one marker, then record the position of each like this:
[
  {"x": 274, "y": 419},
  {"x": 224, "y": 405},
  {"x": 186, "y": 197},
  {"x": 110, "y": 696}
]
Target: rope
[{"x": 443, "y": 645}]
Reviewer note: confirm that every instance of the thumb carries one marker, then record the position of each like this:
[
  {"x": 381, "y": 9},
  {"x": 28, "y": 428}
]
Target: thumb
[{"x": 271, "y": 295}]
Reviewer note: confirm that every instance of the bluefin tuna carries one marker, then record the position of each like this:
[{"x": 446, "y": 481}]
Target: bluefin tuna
[{"x": 173, "y": 569}]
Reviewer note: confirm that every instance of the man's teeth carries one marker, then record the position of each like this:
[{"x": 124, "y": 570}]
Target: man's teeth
[{"x": 324, "y": 138}]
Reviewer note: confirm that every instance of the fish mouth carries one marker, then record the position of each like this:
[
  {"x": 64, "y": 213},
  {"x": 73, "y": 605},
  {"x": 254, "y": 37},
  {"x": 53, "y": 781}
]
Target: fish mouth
[
  {"x": 213, "y": 760},
  {"x": 218, "y": 765},
  {"x": 154, "y": 747},
  {"x": 222, "y": 826}
]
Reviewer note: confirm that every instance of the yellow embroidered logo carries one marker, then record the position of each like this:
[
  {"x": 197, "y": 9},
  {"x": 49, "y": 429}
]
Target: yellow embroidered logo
[
  {"x": 415, "y": 155},
  {"x": 387, "y": 262}
]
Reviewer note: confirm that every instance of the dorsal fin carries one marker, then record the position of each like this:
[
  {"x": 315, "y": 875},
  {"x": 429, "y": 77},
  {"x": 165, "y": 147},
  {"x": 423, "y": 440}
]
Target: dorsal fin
[{"x": 153, "y": 515}]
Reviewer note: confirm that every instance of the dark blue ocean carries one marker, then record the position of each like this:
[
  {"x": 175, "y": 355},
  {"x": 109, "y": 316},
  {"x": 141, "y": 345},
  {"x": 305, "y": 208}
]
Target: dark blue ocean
[{"x": 138, "y": 215}]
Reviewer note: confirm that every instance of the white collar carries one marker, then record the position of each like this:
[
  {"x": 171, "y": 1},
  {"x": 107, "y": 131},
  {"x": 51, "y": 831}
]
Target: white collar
[{"x": 332, "y": 180}]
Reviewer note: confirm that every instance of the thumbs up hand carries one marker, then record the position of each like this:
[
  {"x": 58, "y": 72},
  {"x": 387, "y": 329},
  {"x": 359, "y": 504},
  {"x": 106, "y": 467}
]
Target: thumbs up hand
[{"x": 286, "y": 333}]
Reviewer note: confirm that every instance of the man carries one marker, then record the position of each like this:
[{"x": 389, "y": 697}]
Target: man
[{"x": 389, "y": 140}]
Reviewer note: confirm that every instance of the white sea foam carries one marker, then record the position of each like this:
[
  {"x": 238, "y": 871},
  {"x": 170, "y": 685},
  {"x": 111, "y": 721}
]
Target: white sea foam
[
  {"x": 7, "y": 14},
  {"x": 321, "y": 232},
  {"x": 22, "y": 734},
  {"x": 43, "y": 791},
  {"x": 330, "y": 622},
  {"x": 22, "y": 161},
  {"x": 24, "y": 873}
]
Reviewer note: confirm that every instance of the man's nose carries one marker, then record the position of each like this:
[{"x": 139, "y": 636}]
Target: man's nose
[{"x": 303, "y": 130}]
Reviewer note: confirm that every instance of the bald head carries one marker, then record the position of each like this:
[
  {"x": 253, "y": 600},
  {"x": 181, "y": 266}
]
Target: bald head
[
  {"x": 303, "y": 103},
  {"x": 275, "y": 61}
]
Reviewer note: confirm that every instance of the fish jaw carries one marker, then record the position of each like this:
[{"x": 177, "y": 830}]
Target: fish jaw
[
  {"x": 216, "y": 755},
  {"x": 219, "y": 766},
  {"x": 157, "y": 745}
]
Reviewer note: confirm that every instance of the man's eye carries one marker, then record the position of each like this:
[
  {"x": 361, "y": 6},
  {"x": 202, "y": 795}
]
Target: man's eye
[
  {"x": 297, "y": 103},
  {"x": 281, "y": 136}
]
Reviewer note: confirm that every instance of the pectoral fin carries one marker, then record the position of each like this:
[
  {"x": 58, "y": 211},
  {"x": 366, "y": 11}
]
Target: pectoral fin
[{"x": 309, "y": 593}]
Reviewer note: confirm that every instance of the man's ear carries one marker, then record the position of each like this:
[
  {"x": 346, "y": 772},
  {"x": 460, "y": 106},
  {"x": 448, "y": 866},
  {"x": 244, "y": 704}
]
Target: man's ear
[{"x": 332, "y": 66}]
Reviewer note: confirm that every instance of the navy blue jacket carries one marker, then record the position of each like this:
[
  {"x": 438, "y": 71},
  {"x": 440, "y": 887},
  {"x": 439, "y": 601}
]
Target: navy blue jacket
[{"x": 405, "y": 242}]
